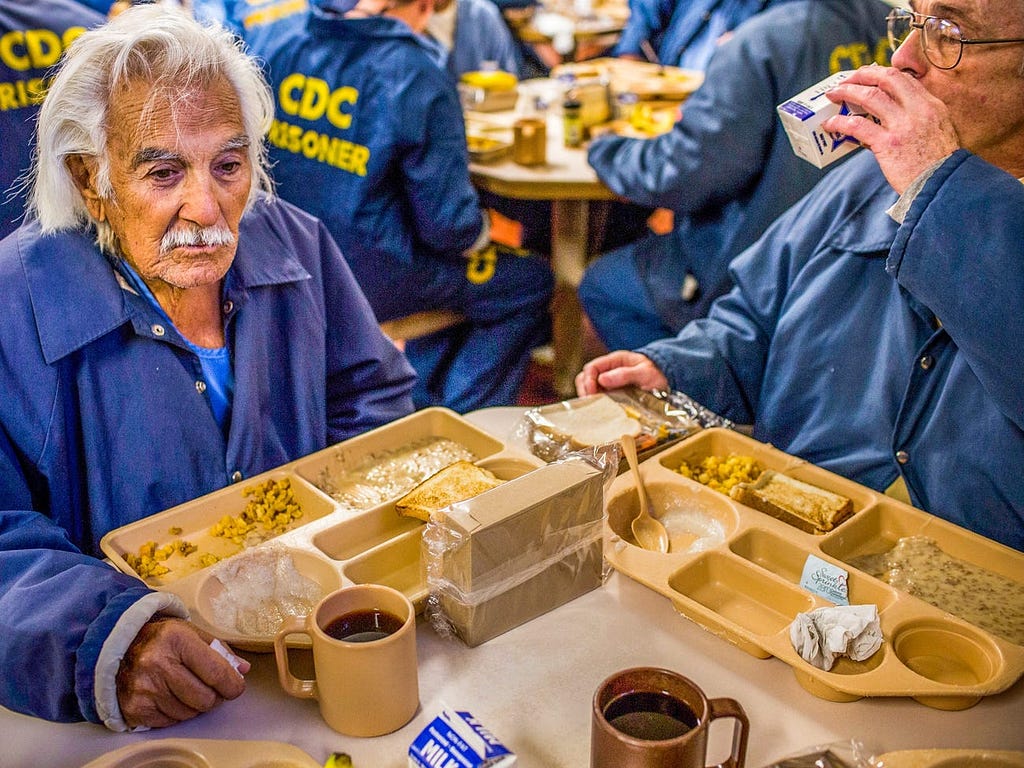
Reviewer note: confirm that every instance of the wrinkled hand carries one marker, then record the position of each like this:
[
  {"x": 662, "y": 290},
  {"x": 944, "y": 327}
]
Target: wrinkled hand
[
  {"x": 170, "y": 673},
  {"x": 619, "y": 369},
  {"x": 915, "y": 129}
]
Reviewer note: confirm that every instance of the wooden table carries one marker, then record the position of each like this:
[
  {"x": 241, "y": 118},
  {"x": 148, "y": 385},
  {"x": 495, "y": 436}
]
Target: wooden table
[{"x": 572, "y": 187}]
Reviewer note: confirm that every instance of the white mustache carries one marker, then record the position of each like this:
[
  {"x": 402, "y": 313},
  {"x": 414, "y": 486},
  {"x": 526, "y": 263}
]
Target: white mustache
[{"x": 201, "y": 236}]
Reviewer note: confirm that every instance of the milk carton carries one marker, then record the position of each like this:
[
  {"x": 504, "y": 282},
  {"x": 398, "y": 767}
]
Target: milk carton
[
  {"x": 803, "y": 115},
  {"x": 456, "y": 739}
]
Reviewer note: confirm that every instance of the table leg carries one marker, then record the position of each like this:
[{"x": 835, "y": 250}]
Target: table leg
[{"x": 569, "y": 228}]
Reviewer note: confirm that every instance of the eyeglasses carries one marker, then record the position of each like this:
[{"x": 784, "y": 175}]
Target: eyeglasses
[{"x": 941, "y": 39}]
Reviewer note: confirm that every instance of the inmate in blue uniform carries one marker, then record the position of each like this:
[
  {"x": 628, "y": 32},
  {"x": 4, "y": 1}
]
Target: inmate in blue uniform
[
  {"x": 726, "y": 168},
  {"x": 480, "y": 35},
  {"x": 879, "y": 350},
  {"x": 32, "y": 37},
  {"x": 369, "y": 136},
  {"x": 103, "y": 421}
]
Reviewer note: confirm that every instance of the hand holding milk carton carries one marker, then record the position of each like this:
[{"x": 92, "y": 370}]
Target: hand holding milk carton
[{"x": 803, "y": 115}]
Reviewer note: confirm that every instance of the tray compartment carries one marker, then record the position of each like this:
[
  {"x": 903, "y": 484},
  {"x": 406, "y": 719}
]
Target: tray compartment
[
  {"x": 196, "y": 518},
  {"x": 874, "y": 531},
  {"x": 740, "y": 598},
  {"x": 950, "y": 654},
  {"x": 786, "y": 558},
  {"x": 318, "y": 569},
  {"x": 397, "y": 564},
  {"x": 333, "y": 467},
  {"x": 696, "y": 518}
]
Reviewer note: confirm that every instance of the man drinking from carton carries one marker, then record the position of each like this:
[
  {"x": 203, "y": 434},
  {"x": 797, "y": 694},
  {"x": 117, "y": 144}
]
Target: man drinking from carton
[{"x": 873, "y": 329}]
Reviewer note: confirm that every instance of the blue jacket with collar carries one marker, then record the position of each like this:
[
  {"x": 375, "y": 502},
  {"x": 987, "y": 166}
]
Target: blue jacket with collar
[
  {"x": 33, "y": 35},
  {"x": 103, "y": 421},
  {"x": 849, "y": 340},
  {"x": 727, "y": 168},
  {"x": 369, "y": 137}
]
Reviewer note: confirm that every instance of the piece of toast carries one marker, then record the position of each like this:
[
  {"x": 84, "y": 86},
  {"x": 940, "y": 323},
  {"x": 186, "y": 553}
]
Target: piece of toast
[
  {"x": 800, "y": 504},
  {"x": 456, "y": 482}
]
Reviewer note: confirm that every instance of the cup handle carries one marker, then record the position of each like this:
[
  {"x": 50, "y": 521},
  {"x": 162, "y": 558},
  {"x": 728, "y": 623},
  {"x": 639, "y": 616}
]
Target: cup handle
[
  {"x": 293, "y": 686},
  {"x": 731, "y": 708}
]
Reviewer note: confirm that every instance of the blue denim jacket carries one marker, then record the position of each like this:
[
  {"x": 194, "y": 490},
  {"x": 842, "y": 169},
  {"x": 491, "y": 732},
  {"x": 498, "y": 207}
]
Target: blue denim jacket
[
  {"x": 877, "y": 350},
  {"x": 103, "y": 420},
  {"x": 726, "y": 168}
]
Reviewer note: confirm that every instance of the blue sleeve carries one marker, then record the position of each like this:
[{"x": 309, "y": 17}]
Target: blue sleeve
[
  {"x": 714, "y": 153},
  {"x": 720, "y": 360},
  {"x": 57, "y": 607},
  {"x": 443, "y": 204},
  {"x": 369, "y": 380},
  {"x": 482, "y": 35},
  {"x": 959, "y": 252},
  {"x": 645, "y": 22}
]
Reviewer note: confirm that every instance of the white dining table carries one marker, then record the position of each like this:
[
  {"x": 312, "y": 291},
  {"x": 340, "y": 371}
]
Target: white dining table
[{"x": 533, "y": 685}]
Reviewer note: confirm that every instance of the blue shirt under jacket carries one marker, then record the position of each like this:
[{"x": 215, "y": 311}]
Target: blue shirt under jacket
[
  {"x": 851, "y": 341},
  {"x": 34, "y": 35},
  {"x": 727, "y": 168},
  {"x": 103, "y": 420},
  {"x": 369, "y": 136}
]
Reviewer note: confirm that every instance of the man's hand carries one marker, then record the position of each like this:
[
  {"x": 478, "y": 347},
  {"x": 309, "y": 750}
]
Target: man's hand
[
  {"x": 619, "y": 369},
  {"x": 915, "y": 130},
  {"x": 170, "y": 673}
]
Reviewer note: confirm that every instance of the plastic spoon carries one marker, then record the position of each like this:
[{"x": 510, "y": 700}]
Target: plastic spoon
[{"x": 647, "y": 530}]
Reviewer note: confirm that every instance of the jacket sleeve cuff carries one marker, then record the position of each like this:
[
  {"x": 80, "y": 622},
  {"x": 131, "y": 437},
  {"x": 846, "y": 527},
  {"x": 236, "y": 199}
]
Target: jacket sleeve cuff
[{"x": 114, "y": 647}]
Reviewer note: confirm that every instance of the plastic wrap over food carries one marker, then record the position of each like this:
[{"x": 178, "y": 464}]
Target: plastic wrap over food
[
  {"x": 655, "y": 419},
  {"x": 843, "y": 754},
  {"x": 502, "y": 558}
]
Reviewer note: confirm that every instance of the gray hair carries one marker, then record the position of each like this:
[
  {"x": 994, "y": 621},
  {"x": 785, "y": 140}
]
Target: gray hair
[{"x": 162, "y": 46}]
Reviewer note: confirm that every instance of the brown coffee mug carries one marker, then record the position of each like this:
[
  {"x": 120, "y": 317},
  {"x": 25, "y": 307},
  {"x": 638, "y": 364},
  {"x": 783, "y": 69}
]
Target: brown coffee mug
[
  {"x": 364, "y": 659},
  {"x": 530, "y": 141},
  {"x": 647, "y": 717}
]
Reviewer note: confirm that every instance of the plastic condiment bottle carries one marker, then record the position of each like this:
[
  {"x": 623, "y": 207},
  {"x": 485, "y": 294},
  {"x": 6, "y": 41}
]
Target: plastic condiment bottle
[{"x": 572, "y": 121}]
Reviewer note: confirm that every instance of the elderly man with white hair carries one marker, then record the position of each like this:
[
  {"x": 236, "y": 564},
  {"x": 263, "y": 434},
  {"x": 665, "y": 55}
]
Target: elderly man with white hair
[{"x": 168, "y": 329}]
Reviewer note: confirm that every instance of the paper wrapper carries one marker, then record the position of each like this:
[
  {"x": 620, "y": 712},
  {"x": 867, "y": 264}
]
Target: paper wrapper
[
  {"x": 515, "y": 552},
  {"x": 665, "y": 418}
]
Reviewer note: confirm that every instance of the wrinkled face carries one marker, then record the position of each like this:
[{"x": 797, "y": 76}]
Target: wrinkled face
[
  {"x": 180, "y": 176},
  {"x": 985, "y": 92}
]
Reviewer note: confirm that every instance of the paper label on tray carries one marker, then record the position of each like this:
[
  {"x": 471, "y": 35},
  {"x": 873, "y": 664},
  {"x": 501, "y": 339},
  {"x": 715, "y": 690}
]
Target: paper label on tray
[{"x": 827, "y": 580}]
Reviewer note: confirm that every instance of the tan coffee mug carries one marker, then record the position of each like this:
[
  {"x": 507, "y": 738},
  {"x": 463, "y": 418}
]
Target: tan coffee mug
[
  {"x": 364, "y": 659},
  {"x": 647, "y": 717},
  {"x": 530, "y": 141}
]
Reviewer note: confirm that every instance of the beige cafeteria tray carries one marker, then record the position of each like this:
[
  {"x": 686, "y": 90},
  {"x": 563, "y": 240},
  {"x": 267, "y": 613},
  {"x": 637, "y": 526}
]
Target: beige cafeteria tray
[
  {"x": 330, "y": 544},
  {"x": 744, "y": 584},
  {"x": 951, "y": 758},
  {"x": 205, "y": 753}
]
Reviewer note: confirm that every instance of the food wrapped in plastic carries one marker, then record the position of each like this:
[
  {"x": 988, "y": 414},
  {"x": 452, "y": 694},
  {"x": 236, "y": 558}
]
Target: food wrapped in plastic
[
  {"x": 656, "y": 419},
  {"x": 516, "y": 551},
  {"x": 848, "y": 754}
]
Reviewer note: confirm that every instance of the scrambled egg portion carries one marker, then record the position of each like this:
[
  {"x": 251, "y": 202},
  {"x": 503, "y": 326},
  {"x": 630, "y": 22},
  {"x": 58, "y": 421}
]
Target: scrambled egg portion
[{"x": 721, "y": 474}]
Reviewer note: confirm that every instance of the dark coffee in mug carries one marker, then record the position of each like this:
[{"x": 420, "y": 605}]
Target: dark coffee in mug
[
  {"x": 650, "y": 715},
  {"x": 364, "y": 626}
]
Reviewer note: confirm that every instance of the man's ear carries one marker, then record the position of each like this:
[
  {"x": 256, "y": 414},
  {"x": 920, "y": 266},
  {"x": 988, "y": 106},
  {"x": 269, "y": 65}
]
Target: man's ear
[{"x": 83, "y": 172}]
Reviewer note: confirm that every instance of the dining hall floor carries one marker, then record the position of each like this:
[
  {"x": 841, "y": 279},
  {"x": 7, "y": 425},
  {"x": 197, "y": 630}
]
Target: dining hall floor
[{"x": 538, "y": 386}]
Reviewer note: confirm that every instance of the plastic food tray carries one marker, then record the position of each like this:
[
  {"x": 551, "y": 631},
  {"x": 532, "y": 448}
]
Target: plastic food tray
[
  {"x": 205, "y": 753},
  {"x": 329, "y": 544},
  {"x": 745, "y": 588},
  {"x": 951, "y": 758}
]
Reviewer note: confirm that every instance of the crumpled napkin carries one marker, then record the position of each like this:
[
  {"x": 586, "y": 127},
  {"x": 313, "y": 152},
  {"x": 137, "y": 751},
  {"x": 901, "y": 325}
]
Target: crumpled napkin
[{"x": 821, "y": 635}]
